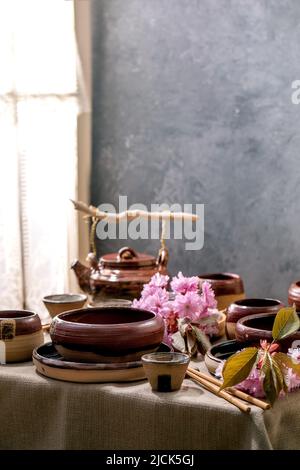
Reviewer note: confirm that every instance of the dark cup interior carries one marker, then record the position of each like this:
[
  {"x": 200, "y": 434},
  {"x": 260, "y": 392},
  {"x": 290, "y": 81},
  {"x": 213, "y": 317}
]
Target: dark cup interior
[
  {"x": 106, "y": 316},
  {"x": 260, "y": 322},
  {"x": 217, "y": 276},
  {"x": 261, "y": 303}
]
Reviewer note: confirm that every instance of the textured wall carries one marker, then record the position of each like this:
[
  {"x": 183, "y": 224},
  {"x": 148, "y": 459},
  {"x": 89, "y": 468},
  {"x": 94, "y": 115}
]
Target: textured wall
[{"x": 192, "y": 104}]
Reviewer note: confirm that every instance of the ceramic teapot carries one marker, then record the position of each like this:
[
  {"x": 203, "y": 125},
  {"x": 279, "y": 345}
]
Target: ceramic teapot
[{"x": 118, "y": 275}]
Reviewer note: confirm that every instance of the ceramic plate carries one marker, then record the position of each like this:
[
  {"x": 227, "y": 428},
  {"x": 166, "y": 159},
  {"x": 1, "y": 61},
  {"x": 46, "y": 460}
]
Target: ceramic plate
[{"x": 50, "y": 363}]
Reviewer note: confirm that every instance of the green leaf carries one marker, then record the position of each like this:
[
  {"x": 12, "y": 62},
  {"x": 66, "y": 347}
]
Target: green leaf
[
  {"x": 283, "y": 360},
  {"x": 269, "y": 384},
  {"x": 202, "y": 340},
  {"x": 273, "y": 381},
  {"x": 238, "y": 367},
  {"x": 286, "y": 323}
]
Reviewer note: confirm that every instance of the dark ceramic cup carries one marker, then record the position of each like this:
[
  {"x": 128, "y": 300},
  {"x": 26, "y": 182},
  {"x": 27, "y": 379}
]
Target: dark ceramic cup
[
  {"x": 245, "y": 307},
  {"x": 253, "y": 328},
  {"x": 107, "y": 334},
  {"x": 20, "y": 332},
  {"x": 228, "y": 287}
]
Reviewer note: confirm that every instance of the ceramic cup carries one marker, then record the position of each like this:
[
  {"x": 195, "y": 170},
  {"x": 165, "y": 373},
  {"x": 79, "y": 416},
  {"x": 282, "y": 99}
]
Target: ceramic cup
[
  {"x": 165, "y": 371},
  {"x": 20, "y": 332},
  {"x": 59, "y": 303}
]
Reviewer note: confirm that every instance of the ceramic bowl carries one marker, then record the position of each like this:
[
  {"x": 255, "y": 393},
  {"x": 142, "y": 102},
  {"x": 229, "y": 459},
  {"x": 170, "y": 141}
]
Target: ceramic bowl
[
  {"x": 165, "y": 371},
  {"x": 253, "y": 328},
  {"x": 20, "y": 332},
  {"x": 245, "y": 307},
  {"x": 220, "y": 352},
  {"x": 228, "y": 287},
  {"x": 59, "y": 303},
  {"x": 294, "y": 294},
  {"x": 106, "y": 334}
]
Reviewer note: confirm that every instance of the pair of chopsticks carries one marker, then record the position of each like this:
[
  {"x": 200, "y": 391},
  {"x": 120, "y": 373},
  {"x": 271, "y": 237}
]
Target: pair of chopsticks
[{"x": 232, "y": 395}]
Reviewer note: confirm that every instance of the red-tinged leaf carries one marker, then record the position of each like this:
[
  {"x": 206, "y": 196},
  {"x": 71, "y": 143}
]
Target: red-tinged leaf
[
  {"x": 238, "y": 367},
  {"x": 273, "y": 381}
]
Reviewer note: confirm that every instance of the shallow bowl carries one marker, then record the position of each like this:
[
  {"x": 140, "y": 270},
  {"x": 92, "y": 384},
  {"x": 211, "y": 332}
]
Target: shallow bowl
[
  {"x": 245, "y": 307},
  {"x": 220, "y": 352},
  {"x": 253, "y": 328},
  {"x": 106, "y": 334},
  {"x": 58, "y": 303}
]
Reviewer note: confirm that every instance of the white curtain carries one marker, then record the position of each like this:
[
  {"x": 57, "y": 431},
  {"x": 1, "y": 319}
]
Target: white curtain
[{"x": 38, "y": 151}]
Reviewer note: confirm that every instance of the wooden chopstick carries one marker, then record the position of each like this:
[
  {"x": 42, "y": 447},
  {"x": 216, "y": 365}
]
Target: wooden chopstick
[
  {"x": 216, "y": 391},
  {"x": 233, "y": 391}
]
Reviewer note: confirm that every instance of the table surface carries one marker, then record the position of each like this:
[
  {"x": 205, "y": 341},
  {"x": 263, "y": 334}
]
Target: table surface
[{"x": 41, "y": 413}]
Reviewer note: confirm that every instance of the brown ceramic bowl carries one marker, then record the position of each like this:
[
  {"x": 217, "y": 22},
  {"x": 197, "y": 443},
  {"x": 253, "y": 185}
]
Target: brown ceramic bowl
[
  {"x": 253, "y": 328},
  {"x": 107, "y": 334},
  {"x": 245, "y": 307},
  {"x": 294, "y": 294},
  {"x": 59, "y": 303},
  {"x": 20, "y": 332},
  {"x": 228, "y": 287}
]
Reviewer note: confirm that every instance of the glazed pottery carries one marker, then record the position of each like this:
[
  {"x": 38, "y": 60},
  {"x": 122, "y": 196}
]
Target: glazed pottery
[
  {"x": 220, "y": 352},
  {"x": 107, "y": 334},
  {"x": 294, "y": 294},
  {"x": 118, "y": 275},
  {"x": 253, "y": 328},
  {"x": 165, "y": 371},
  {"x": 50, "y": 363},
  {"x": 228, "y": 287},
  {"x": 20, "y": 332},
  {"x": 59, "y": 303},
  {"x": 245, "y": 307}
]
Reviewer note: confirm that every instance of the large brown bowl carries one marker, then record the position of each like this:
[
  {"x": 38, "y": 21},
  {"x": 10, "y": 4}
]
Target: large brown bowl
[
  {"x": 20, "y": 332},
  {"x": 107, "y": 334},
  {"x": 294, "y": 294},
  {"x": 245, "y": 307},
  {"x": 253, "y": 328},
  {"x": 228, "y": 287}
]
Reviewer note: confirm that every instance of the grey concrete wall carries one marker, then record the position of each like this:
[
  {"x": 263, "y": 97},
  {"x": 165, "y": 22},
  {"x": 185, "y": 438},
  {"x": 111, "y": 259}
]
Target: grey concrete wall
[{"x": 192, "y": 104}]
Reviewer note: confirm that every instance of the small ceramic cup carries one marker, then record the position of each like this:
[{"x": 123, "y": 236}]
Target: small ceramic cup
[
  {"x": 165, "y": 371},
  {"x": 59, "y": 303}
]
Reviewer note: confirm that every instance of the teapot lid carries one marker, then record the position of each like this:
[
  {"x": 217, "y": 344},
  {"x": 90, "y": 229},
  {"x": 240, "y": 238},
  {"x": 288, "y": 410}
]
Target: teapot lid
[{"x": 127, "y": 258}]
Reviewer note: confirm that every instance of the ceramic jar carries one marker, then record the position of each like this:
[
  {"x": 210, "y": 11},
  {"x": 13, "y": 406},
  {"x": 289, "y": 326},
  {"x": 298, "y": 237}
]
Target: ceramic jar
[
  {"x": 106, "y": 334},
  {"x": 20, "y": 332},
  {"x": 228, "y": 287},
  {"x": 253, "y": 328},
  {"x": 246, "y": 307},
  {"x": 294, "y": 294}
]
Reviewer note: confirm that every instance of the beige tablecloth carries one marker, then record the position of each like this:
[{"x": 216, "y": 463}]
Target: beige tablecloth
[{"x": 41, "y": 413}]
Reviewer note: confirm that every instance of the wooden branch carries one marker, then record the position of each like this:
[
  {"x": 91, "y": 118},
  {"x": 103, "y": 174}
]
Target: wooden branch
[{"x": 92, "y": 211}]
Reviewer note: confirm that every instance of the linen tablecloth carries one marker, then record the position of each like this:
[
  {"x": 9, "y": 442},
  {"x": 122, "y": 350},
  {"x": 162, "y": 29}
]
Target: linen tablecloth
[{"x": 41, "y": 413}]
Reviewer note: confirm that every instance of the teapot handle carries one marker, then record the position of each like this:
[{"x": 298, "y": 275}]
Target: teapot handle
[
  {"x": 126, "y": 253},
  {"x": 162, "y": 259}
]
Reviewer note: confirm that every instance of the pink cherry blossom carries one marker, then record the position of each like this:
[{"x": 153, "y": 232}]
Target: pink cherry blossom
[
  {"x": 187, "y": 305},
  {"x": 208, "y": 296},
  {"x": 182, "y": 284},
  {"x": 159, "y": 280}
]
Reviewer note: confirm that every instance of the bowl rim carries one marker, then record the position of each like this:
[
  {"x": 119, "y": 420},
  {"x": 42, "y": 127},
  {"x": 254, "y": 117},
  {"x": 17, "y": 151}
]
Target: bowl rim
[
  {"x": 149, "y": 358},
  {"x": 51, "y": 300},
  {"x": 31, "y": 314},
  {"x": 276, "y": 302},
  {"x": 58, "y": 318}
]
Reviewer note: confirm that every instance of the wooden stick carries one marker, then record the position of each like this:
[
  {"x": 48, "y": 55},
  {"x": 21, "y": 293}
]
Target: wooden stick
[
  {"x": 220, "y": 393},
  {"x": 233, "y": 391},
  {"x": 92, "y": 211}
]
